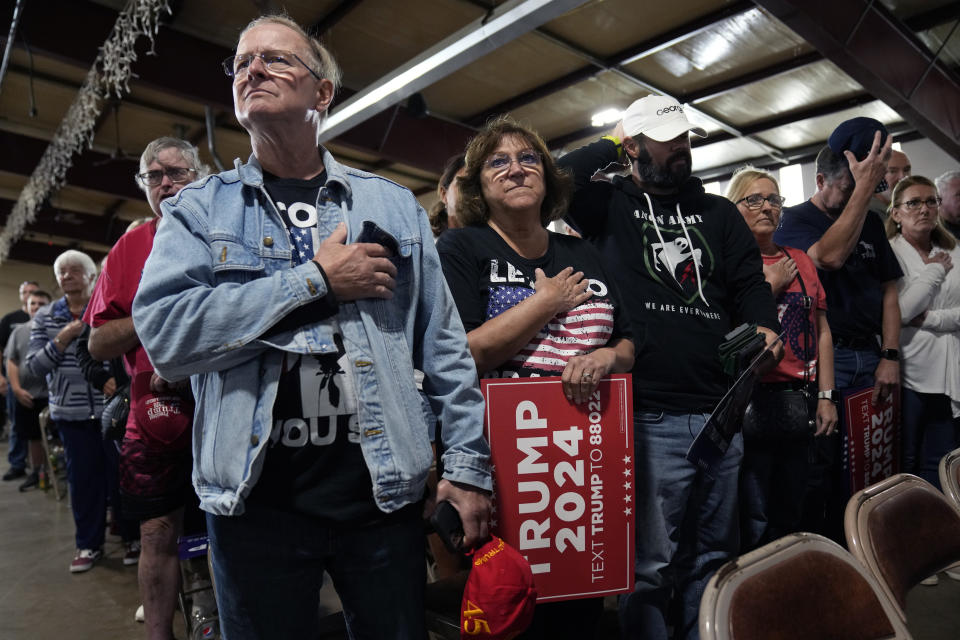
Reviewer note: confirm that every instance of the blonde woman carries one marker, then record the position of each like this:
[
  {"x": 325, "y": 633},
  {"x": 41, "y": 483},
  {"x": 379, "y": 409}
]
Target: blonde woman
[{"x": 775, "y": 465}]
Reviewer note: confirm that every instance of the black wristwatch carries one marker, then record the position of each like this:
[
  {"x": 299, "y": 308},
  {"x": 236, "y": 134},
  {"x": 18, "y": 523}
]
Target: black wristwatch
[
  {"x": 890, "y": 354},
  {"x": 829, "y": 394}
]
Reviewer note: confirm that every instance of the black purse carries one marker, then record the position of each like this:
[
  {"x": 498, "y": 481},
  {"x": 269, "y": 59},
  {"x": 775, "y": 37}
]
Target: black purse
[
  {"x": 113, "y": 420},
  {"x": 784, "y": 414}
]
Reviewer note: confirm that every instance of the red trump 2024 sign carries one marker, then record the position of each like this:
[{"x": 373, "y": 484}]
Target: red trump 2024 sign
[{"x": 563, "y": 483}]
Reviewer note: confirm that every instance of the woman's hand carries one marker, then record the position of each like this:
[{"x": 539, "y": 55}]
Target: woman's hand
[
  {"x": 940, "y": 257},
  {"x": 780, "y": 274},
  {"x": 564, "y": 291},
  {"x": 110, "y": 387},
  {"x": 826, "y": 417},
  {"x": 582, "y": 375},
  {"x": 68, "y": 333}
]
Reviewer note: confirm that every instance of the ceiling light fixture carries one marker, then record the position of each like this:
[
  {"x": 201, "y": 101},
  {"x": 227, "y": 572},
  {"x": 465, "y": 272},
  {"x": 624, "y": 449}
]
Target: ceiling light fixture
[
  {"x": 482, "y": 36},
  {"x": 605, "y": 117}
]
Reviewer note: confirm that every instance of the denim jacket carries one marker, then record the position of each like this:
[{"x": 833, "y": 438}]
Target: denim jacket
[{"x": 220, "y": 278}]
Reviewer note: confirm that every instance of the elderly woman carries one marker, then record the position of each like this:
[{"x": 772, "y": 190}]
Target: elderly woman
[
  {"x": 75, "y": 406},
  {"x": 533, "y": 302},
  {"x": 930, "y": 339},
  {"x": 774, "y": 473}
]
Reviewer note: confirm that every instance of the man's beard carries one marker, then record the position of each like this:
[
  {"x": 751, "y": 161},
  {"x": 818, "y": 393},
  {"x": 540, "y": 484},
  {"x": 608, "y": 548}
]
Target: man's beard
[{"x": 671, "y": 175}]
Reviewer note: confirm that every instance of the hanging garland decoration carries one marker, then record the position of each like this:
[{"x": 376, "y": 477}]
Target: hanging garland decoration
[{"x": 110, "y": 74}]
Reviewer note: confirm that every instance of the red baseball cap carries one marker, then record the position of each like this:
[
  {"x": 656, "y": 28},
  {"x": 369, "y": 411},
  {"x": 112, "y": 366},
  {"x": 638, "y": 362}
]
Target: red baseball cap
[
  {"x": 161, "y": 417},
  {"x": 499, "y": 597}
]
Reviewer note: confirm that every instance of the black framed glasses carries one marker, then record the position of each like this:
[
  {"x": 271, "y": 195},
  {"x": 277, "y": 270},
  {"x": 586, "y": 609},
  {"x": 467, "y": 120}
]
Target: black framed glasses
[
  {"x": 177, "y": 175},
  {"x": 915, "y": 204},
  {"x": 275, "y": 61},
  {"x": 528, "y": 159},
  {"x": 755, "y": 200}
]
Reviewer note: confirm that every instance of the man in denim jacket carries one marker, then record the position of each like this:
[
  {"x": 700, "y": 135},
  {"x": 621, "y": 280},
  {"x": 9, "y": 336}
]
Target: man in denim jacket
[{"x": 300, "y": 295}]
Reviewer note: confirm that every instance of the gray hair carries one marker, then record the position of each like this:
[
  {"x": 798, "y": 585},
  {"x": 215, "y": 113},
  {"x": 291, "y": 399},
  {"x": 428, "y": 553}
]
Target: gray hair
[
  {"x": 327, "y": 65},
  {"x": 945, "y": 179},
  {"x": 831, "y": 165},
  {"x": 72, "y": 256},
  {"x": 187, "y": 151}
]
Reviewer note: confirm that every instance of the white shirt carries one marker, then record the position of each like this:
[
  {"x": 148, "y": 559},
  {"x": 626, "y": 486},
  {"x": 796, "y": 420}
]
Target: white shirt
[{"x": 930, "y": 353}]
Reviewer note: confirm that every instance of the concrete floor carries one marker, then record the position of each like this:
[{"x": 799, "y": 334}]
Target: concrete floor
[{"x": 40, "y": 599}]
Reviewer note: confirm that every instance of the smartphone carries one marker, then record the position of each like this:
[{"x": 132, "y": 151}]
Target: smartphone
[{"x": 446, "y": 522}]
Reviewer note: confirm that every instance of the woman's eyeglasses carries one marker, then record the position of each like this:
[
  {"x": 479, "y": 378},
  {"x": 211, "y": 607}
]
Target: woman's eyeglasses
[
  {"x": 916, "y": 203},
  {"x": 502, "y": 161},
  {"x": 755, "y": 201}
]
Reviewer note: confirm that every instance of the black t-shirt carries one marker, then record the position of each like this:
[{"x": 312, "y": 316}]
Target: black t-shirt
[
  {"x": 487, "y": 277},
  {"x": 7, "y": 324},
  {"x": 314, "y": 464},
  {"x": 854, "y": 291}
]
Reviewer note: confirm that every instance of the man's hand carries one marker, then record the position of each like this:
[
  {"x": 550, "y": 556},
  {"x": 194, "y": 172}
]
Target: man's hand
[
  {"x": 873, "y": 168},
  {"x": 887, "y": 378},
  {"x": 355, "y": 271},
  {"x": 24, "y": 397},
  {"x": 473, "y": 505},
  {"x": 775, "y": 346},
  {"x": 110, "y": 387}
]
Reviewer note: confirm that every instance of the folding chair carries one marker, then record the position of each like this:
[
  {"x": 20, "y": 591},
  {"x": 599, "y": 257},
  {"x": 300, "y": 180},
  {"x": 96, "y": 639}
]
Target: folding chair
[
  {"x": 950, "y": 476},
  {"x": 50, "y": 459},
  {"x": 799, "y": 587},
  {"x": 902, "y": 529}
]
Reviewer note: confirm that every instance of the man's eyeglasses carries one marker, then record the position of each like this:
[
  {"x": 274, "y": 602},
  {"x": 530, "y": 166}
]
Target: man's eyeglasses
[
  {"x": 916, "y": 203},
  {"x": 275, "y": 61},
  {"x": 755, "y": 201},
  {"x": 501, "y": 161},
  {"x": 176, "y": 175}
]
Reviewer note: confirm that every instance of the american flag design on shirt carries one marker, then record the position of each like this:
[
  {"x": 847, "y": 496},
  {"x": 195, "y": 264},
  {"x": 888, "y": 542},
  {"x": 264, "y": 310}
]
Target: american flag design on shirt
[{"x": 578, "y": 331}]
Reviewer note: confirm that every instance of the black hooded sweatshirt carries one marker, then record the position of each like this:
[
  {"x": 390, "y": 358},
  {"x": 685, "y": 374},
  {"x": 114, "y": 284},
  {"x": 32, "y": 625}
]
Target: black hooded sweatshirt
[{"x": 688, "y": 273}]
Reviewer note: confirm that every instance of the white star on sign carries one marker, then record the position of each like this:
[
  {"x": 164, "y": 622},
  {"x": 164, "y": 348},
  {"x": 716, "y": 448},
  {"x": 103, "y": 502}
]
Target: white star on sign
[
  {"x": 626, "y": 485},
  {"x": 626, "y": 498},
  {"x": 626, "y": 472},
  {"x": 626, "y": 511},
  {"x": 626, "y": 459}
]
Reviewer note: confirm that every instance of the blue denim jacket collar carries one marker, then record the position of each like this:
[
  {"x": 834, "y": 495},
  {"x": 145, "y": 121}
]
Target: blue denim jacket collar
[{"x": 251, "y": 173}]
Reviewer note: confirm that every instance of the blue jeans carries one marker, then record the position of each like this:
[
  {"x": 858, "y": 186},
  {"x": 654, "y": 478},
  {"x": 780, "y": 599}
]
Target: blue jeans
[
  {"x": 17, "y": 456},
  {"x": 929, "y": 432},
  {"x": 268, "y": 567},
  {"x": 772, "y": 485},
  {"x": 87, "y": 469},
  {"x": 686, "y": 524}
]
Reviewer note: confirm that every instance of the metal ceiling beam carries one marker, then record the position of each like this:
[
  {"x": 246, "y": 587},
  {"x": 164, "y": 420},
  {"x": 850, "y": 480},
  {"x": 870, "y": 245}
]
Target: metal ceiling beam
[
  {"x": 791, "y": 117},
  {"x": 648, "y": 47},
  {"x": 726, "y": 86},
  {"x": 482, "y": 36},
  {"x": 881, "y": 53},
  {"x": 333, "y": 16},
  {"x": 188, "y": 67},
  {"x": 91, "y": 170},
  {"x": 806, "y": 153},
  {"x": 751, "y": 129}
]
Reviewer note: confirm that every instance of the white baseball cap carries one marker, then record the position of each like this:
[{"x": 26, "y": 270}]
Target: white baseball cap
[{"x": 658, "y": 117}]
